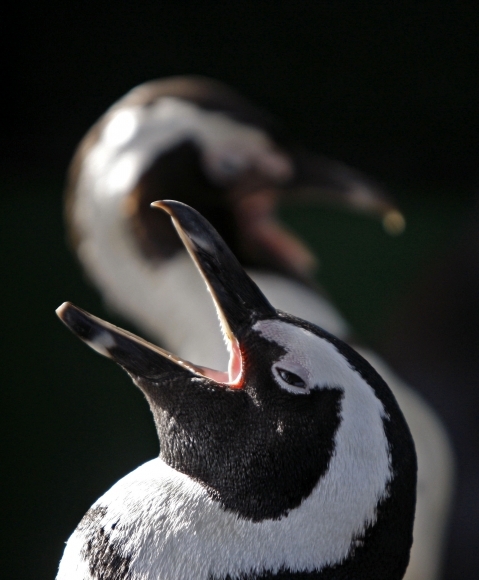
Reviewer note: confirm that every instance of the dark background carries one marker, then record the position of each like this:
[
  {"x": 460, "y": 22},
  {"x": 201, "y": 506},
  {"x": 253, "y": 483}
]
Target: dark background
[{"x": 390, "y": 89}]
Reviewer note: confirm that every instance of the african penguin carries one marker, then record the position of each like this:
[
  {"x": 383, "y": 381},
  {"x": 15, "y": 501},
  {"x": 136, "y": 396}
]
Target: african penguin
[
  {"x": 198, "y": 141},
  {"x": 296, "y": 463}
]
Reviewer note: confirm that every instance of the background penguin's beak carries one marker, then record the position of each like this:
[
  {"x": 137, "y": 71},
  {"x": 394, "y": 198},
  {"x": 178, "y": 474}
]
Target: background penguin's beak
[{"x": 319, "y": 179}]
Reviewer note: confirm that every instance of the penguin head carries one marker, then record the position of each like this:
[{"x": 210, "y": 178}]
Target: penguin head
[
  {"x": 198, "y": 141},
  {"x": 299, "y": 422}
]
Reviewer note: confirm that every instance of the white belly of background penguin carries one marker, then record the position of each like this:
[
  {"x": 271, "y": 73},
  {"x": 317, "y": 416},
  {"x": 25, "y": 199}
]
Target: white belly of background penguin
[{"x": 297, "y": 463}]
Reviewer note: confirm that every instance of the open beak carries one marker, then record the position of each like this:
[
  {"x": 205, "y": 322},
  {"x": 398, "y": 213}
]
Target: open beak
[
  {"x": 314, "y": 180},
  {"x": 239, "y": 303},
  {"x": 322, "y": 180}
]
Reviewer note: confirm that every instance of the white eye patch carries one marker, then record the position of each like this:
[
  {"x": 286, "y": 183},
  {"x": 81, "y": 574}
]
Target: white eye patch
[{"x": 308, "y": 358}]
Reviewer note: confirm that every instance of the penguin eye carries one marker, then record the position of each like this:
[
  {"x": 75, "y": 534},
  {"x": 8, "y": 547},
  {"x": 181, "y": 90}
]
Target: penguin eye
[
  {"x": 287, "y": 379},
  {"x": 291, "y": 378}
]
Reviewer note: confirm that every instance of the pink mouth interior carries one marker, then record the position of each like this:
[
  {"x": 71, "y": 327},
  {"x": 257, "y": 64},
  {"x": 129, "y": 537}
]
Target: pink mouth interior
[{"x": 235, "y": 367}]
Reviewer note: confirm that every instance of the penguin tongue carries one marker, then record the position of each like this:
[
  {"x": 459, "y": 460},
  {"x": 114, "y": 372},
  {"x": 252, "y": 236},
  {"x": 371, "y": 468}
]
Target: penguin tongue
[
  {"x": 233, "y": 376},
  {"x": 218, "y": 376},
  {"x": 262, "y": 232},
  {"x": 235, "y": 365}
]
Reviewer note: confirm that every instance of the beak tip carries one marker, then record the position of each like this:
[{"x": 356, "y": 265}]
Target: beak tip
[
  {"x": 77, "y": 320},
  {"x": 394, "y": 222},
  {"x": 63, "y": 310},
  {"x": 165, "y": 205}
]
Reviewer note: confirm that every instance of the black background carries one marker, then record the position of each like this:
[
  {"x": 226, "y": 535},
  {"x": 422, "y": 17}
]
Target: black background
[{"x": 391, "y": 89}]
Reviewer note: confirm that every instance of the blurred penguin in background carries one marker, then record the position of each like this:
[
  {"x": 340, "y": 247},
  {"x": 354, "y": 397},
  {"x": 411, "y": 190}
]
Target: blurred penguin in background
[{"x": 197, "y": 141}]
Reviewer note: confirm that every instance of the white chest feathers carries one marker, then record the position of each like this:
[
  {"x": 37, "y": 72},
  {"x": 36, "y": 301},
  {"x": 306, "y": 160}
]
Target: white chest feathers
[{"x": 157, "y": 523}]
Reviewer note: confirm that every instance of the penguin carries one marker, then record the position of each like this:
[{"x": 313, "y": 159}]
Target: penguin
[
  {"x": 198, "y": 141},
  {"x": 295, "y": 463}
]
